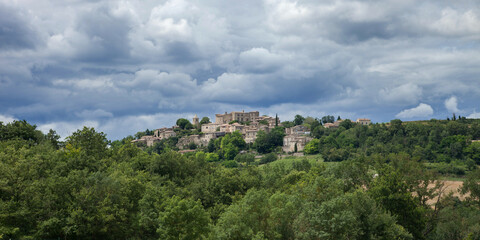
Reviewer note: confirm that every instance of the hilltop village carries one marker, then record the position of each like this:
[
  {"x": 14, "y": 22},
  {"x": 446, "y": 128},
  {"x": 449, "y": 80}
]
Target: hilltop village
[{"x": 248, "y": 124}]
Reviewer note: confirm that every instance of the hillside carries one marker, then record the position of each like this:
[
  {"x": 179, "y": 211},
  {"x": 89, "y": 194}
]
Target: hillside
[{"x": 86, "y": 188}]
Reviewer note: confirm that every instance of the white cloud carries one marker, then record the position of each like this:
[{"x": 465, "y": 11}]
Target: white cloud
[
  {"x": 259, "y": 60},
  {"x": 474, "y": 115},
  {"x": 94, "y": 114},
  {"x": 422, "y": 110},
  {"x": 6, "y": 119},
  {"x": 452, "y": 105},
  {"x": 65, "y": 129},
  {"x": 104, "y": 60},
  {"x": 92, "y": 84},
  {"x": 405, "y": 94},
  {"x": 454, "y": 22}
]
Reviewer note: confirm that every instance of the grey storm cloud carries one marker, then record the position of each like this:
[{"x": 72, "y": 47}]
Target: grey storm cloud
[
  {"x": 16, "y": 32},
  {"x": 123, "y": 66}
]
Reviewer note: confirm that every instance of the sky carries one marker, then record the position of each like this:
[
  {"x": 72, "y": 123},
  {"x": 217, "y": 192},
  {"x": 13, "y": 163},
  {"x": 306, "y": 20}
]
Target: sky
[{"x": 125, "y": 66}]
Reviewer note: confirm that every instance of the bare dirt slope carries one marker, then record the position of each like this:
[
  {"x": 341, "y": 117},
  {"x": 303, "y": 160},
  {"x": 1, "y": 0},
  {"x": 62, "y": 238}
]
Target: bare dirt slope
[{"x": 450, "y": 187}]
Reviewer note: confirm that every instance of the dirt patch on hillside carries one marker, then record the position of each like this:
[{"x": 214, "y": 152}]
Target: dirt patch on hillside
[{"x": 449, "y": 187}]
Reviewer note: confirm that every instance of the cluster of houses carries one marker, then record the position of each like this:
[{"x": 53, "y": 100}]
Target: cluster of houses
[{"x": 246, "y": 123}]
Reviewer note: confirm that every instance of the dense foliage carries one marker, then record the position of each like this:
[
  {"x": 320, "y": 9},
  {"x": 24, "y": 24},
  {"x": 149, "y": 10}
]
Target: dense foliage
[{"x": 88, "y": 188}]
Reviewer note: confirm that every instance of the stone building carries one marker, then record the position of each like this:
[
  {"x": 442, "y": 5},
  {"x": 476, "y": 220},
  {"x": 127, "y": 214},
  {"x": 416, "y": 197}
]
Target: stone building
[
  {"x": 250, "y": 136},
  {"x": 298, "y": 130},
  {"x": 147, "y": 140},
  {"x": 164, "y": 133},
  {"x": 289, "y": 142},
  {"x": 239, "y": 116},
  {"x": 210, "y": 127},
  {"x": 195, "y": 121},
  {"x": 270, "y": 120},
  {"x": 335, "y": 124},
  {"x": 199, "y": 140},
  {"x": 297, "y": 135},
  {"x": 363, "y": 121}
]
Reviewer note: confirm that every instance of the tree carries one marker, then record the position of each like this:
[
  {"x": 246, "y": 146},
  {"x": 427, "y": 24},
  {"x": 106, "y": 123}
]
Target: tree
[
  {"x": 347, "y": 124},
  {"x": 312, "y": 147},
  {"x": 263, "y": 122},
  {"x": 183, "y": 219},
  {"x": 20, "y": 130},
  {"x": 212, "y": 157},
  {"x": 298, "y": 120},
  {"x": 246, "y": 158},
  {"x": 318, "y": 132},
  {"x": 391, "y": 192},
  {"x": 349, "y": 216},
  {"x": 232, "y": 144},
  {"x": 205, "y": 120},
  {"x": 312, "y": 123},
  {"x": 472, "y": 186},
  {"x": 267, "y": 142},
  {"x": 184, "y": 123},
  {"x": 328, "y": 119},
  {"x": 53, "y": 138},
  {"x": 89, "y": 141},
  {"x": 276, "y": 120},
  {"x": 270, "y": 157},
  {"x": 287, "y": 124}
]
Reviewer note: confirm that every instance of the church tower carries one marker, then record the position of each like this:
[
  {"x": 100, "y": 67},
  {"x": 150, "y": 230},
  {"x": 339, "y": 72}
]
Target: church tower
[{"x": 195, "y": 121}]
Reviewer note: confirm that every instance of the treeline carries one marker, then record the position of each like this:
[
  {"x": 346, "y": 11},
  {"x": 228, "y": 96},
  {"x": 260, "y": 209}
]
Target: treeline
[
  {"x": 87, "y": 188},
  {"x": 448, "y": 143}
]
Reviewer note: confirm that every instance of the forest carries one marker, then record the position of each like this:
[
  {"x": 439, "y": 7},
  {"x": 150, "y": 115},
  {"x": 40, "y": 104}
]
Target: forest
[{"x": 382, "y": 181}]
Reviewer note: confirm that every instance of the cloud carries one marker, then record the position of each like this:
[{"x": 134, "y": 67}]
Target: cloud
[
  {"x": 16, "y": 32},
  {"x": 451, "y": 105},
  {"x": 259, "y": 60},
  {"x": 405, "y": 94},
  {"x": 422, "y": 110},
  {"x": 6, "y": 119},
  {"x": 94, "y": 114},
  {"x": 474, "y": 115},
  {"x": 65, "y": 129},
  {"x": 109, "y": 62}
]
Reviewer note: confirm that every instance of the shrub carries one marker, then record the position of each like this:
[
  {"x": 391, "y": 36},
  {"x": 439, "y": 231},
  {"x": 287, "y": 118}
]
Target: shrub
[{"x": 268, "y": 158}]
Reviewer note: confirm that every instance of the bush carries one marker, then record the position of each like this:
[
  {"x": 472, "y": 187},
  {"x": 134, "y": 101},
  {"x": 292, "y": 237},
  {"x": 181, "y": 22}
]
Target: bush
[
  {"x": 268, "y": 158},
  {"x": 212, "y": 157},
  {"x": 246, "y": 158},
  {"x": 230, "y": 164},
  {"x": 312, "y": 147}
]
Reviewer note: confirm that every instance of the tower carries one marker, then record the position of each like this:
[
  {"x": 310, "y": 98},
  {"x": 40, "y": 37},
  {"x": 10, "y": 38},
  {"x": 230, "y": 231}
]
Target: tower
[{"x": 195, "y": 121}]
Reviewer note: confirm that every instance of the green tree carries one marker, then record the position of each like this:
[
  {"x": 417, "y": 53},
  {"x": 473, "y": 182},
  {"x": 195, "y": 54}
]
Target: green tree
[
  {"x": 287, "y": 124},
  {"x": 53, "y": 138},
  {"x": 268, "y": 142},
  {"x": 269, "y": 157},
  {"x": 328, "y": 119},
  {"x": 350, "y": 216},
  {"x": 89, "y": 141},
  {"x": 246, "y": 158},
  {"x": 184, "y": 123},
  {"x": 347, "y": 124},
  {"x": 183, "y": 219},
  {"x": 263, "y": 122},
  {"x": 391, "y": 192},
  {"x": 472, "y": 186},
  {"x": 20, "y": 130},
  {"x": 232, "y": 144},
  {"x": 205, "y": 120},
  {"x": 312, "y": 147},
  {"x": 298, "y": 120}
]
